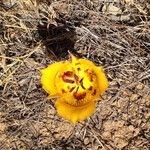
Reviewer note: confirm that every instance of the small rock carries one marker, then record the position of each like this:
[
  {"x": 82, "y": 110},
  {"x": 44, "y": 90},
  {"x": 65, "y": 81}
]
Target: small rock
[
  {"x": 86, "y": 141},
  {"x": 120, "y": 143},
  {"x": 134, "y": 97},
  {"x": 139, "y": 86}
]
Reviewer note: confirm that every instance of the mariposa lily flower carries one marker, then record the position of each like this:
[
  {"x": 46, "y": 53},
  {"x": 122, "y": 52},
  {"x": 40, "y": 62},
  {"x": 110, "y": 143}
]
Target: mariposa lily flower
[{"x": 77, "y": 84}]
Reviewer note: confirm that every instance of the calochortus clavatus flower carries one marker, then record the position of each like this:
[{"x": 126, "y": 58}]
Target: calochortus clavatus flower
[{"x": 77, "y": 84}]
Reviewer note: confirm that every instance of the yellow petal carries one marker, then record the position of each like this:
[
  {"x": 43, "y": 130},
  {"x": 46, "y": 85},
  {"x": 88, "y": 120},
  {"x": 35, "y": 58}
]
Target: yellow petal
[
  {"x": 48, "y": 77},
  {"x": 82, "y": 62},
  {"x": 102, "y": 80},
  {"x": 52, "y": 96},
  {"x": 74, "y": 113},
  {"x": 73, "y": 58},
  {"x": 86, "y": 63}
]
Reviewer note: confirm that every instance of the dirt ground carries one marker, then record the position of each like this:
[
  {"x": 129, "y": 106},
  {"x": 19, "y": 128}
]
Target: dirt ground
[{"x": 111, "y": 33}]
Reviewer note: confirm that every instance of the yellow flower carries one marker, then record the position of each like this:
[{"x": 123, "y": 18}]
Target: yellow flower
[{"x": 77, "y": 84}]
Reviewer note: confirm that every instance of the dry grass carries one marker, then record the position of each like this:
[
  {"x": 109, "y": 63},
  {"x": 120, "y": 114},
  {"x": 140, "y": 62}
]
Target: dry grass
[{"x": 34, "y": 34}]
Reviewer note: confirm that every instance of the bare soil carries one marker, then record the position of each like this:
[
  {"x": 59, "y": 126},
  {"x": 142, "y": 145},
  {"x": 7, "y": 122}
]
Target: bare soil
[{"x": 114, "y": 34}]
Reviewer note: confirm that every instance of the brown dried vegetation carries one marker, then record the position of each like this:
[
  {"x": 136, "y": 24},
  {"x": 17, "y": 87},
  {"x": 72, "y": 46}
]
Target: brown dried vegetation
[{"x": 35, "y": 33}]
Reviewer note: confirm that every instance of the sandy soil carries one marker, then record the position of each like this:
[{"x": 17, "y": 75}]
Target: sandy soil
[{"x": 35, "y": 33}]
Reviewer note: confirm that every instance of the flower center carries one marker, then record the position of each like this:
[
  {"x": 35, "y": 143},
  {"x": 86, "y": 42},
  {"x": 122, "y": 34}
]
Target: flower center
[{"x": 78, "y": 82}]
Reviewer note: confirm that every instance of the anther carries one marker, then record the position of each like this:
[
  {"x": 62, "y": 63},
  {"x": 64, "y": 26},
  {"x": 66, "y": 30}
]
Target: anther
[
  {"x": 71, "y": 89},
  {"x": 76, "y": 77},
  {"x": 68, "y": 80}
]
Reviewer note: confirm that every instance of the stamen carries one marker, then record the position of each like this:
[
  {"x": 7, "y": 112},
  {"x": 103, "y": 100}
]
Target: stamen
[
  {"x": 82, "y": 86},
  {"x": 77, "y": 89},
  {"x": 76, "y": 77},
  {"x": 68, "y": 80},
  {"x": 72, "y": 89},
  {"x": 81, "y": 83}
]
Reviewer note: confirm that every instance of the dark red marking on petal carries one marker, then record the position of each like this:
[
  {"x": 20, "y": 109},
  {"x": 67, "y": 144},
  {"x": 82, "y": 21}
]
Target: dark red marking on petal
[
  {"x": 68, "y": 74},
  {"x": 94, "y": 92},
  {"x": 79, "y": 96},
  {"x": 90, "y": 88},
  {"x": 90, "y": 75},
  {"x": 76, "y": 77}
]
